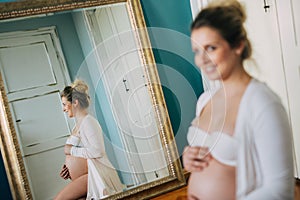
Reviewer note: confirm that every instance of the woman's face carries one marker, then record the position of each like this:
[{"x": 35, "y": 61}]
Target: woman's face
[
  {"x": 213, "y": 54},
  {"x": 67, "y": 107}
]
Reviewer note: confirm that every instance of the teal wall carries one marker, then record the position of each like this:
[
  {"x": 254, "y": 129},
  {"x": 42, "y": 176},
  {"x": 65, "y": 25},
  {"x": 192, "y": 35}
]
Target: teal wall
[
  {"x": 4, "y": 186},
  {"x": 181, "y": 80}
]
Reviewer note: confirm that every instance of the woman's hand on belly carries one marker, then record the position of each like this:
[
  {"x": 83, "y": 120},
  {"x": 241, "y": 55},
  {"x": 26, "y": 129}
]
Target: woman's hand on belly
[
  {"x": 195, "y": 159},
  {"x": 76, "y": 166},
  {"x": 64, "y": 173}
]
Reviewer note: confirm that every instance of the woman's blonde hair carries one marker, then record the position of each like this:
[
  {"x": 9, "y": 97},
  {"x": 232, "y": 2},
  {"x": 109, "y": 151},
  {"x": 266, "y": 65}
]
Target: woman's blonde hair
[
  {"x": 227, "y": 17},
  {"x": 77, "y": 91}
]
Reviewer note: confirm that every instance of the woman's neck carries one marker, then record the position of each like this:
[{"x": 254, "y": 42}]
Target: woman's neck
[
  {"x": 79, "y": 116},
  {"x": 237, "y": 82}
]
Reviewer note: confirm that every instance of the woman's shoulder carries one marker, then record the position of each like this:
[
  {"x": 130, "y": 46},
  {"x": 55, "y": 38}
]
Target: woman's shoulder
[
  {"x": 89, "y": 120},
  {"x": 260, "y": 92},
  {"x": 259, "y": 98}
]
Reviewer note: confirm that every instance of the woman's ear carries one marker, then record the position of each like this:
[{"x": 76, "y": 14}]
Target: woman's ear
[
  {"x": 240, "y": 48},
  {"x": 75, "y": 103}
]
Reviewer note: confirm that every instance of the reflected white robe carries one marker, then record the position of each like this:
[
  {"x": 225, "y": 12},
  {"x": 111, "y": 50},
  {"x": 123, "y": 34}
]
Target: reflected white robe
[{"x": 101, "y": 174}]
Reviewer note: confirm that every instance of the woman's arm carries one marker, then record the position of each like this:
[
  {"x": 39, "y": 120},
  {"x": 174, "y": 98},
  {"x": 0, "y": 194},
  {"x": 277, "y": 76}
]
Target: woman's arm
[{"x": 273, "y": 141}]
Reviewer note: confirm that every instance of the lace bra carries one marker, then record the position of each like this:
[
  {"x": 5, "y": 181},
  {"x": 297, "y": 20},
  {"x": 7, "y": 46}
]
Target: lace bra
[{"x": 222, "y": 147}]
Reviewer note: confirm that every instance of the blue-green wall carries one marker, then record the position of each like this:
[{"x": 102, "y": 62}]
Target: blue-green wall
[
  {"x": 180, "y": 79},
  {"x": 4, "y": 186}
]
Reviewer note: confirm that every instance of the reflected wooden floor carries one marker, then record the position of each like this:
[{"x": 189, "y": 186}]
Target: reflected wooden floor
[{"x": 297, "y": 189}]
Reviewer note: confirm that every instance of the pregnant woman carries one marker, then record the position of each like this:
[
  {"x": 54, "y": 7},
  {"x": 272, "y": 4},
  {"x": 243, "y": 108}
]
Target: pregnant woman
[
  {"x": 240, "y": 142},
  {"x": 87, "y": 164}
]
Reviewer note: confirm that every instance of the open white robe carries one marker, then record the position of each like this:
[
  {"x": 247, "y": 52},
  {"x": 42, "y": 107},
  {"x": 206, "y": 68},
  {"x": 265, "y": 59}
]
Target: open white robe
[
  {"x": 101, "y": 174},
  {"x": 265, "y": 157}
]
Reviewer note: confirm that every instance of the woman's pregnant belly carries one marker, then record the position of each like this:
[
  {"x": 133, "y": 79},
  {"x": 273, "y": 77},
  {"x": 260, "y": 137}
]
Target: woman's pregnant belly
[
  {"x": 215, "y": 182},
  {"x": 77, "y": 166}
]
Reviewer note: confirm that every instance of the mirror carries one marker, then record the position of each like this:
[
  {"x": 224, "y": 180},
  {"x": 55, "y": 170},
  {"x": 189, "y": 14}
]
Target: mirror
[{"x": 43, "y": 46}]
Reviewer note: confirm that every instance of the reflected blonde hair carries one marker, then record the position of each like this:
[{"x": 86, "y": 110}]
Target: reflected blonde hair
[{"x": 78, "y": 90}]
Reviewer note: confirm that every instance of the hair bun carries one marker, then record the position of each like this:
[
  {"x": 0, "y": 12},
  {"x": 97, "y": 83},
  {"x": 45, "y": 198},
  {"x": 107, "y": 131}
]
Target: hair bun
[
  {"x": 233, "y": 6},
  {"x": 80, "y": 86}
]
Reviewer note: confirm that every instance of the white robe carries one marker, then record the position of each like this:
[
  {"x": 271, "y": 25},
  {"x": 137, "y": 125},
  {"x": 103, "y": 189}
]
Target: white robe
[
  {"x": 265, "y": 168},
  {"x": 101, "y": 174}
]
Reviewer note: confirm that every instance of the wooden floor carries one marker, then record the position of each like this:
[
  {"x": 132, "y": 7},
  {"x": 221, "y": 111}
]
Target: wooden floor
[{"x": 180, "y": 194}]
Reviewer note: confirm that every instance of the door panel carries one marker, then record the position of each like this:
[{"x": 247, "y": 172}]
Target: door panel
[
  {"x": 43, "y": 173},
  {"x": 32, "y": 56},
  {"x": 34, "y": 72},
  {"x": 35, "y": 130},
  {"x": 35, "y": 57}
]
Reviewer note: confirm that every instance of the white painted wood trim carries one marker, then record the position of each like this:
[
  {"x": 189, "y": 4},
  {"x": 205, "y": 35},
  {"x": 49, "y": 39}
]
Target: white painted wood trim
[{"x": 196, "y": 5}]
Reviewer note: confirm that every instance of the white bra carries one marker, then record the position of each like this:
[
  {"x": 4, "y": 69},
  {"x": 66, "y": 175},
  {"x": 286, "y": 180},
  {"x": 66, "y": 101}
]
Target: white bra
[
  {"x": 74, "y": 140},
  {"x": 222, "y": 147}
]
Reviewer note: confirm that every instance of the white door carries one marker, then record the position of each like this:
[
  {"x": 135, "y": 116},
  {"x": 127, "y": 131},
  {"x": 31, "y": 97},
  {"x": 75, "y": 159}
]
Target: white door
[
  {"x": 123, "y": 74},
  {"x": 276, "y": 52},
  {"x": 33, "y": 71},
  {"x": 289, "y": 22},
  {"x": 263, "y": 31}
]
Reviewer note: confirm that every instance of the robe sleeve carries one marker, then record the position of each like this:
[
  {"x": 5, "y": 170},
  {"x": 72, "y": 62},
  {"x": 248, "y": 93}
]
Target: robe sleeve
[
  {"x": 92, "y": 135},
  {"x": 274, "y": 146}
]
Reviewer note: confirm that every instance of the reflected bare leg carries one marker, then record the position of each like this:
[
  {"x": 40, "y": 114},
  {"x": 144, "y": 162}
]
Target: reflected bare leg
[{"x": 74, "y": 190}]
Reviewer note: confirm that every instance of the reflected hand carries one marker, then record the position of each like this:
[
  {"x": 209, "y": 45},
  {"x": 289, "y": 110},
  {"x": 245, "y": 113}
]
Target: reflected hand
[
  {"x": 68, "y": 149},
  {"x": 195, "y": 159},
  {"x": 64, "y": 173}
]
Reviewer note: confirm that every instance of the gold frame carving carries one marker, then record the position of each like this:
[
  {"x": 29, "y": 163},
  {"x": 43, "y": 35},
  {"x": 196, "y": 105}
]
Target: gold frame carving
[{"x": 10, "y": 148}]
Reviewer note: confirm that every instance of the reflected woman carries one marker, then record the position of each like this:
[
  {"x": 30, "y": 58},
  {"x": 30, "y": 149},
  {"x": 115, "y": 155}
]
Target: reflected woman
[
  {"x": 87, "y": 165},
  {"x": 240, "y": 142}
]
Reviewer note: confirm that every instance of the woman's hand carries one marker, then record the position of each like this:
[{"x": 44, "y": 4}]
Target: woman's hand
[
  {"x": 64, "y": 173},
  {"x": 195, "y": 159},
  {"x": 68, "y": 149}
]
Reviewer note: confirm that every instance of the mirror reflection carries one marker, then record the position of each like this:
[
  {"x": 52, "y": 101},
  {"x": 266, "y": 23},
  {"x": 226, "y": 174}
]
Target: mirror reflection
[{"x": 41, "y": 55}]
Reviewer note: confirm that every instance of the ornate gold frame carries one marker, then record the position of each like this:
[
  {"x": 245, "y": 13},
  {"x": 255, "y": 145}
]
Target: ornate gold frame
[{"x": 10, "y": 148}]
